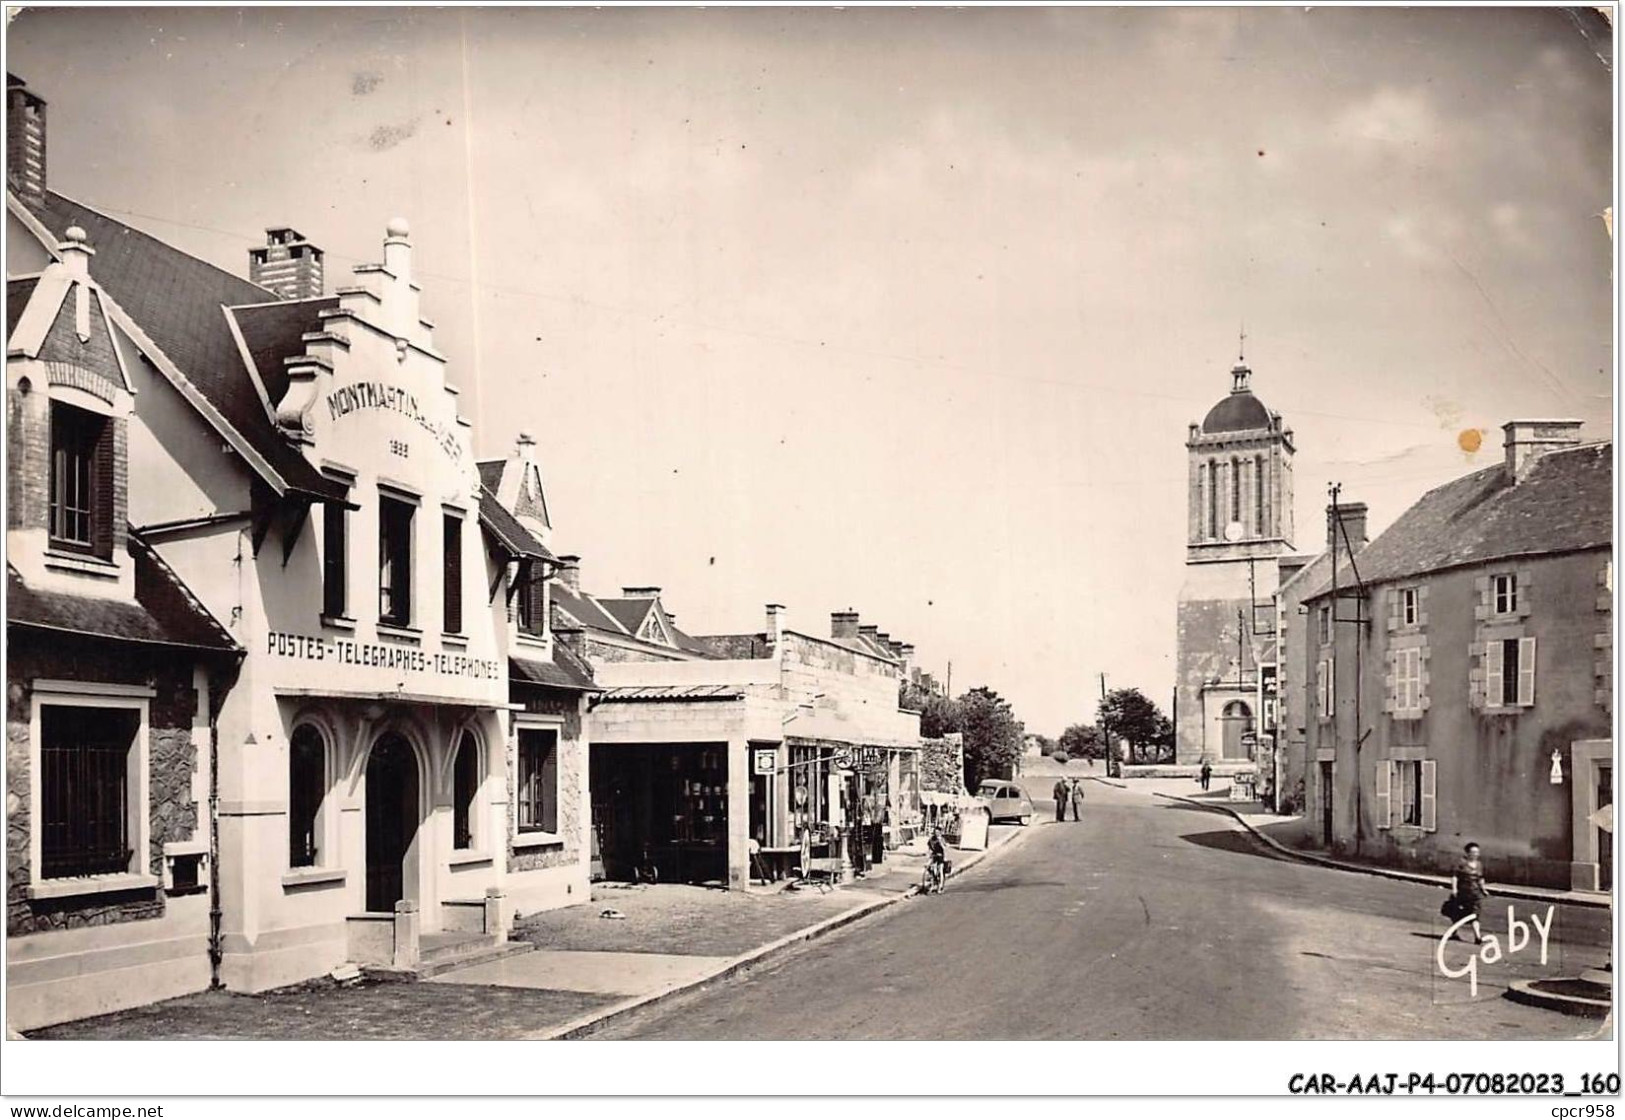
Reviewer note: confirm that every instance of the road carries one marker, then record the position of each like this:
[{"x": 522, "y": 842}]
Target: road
[{"x": 1146, "y": 920}]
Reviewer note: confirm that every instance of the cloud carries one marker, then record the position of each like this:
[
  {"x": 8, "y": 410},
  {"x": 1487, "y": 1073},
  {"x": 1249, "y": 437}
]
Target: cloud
[{"x": 1392, "y": 116}]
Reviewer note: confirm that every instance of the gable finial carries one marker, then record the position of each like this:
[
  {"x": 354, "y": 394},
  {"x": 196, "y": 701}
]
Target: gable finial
[{"x": 1241, "y": 349}]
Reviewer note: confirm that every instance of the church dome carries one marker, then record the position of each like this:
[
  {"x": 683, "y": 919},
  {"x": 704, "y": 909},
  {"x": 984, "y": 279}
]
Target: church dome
[{"x": 1238, "y": 412}]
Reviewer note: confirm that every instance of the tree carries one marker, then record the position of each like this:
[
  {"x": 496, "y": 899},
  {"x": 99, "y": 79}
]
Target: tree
[
  {"x": 1127, "y": 713},
  {"x": 938, "y": 714},
  {"x": 1083, "y": 740},
  {"x": 993, "y": 738}
]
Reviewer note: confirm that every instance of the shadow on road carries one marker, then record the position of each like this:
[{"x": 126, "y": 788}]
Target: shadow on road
[
  {"x": 1225, "y": 840},
  {"x": 1001, "y": 887}
]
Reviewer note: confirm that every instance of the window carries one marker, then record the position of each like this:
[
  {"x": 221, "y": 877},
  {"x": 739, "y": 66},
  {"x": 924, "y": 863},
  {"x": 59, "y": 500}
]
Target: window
[
  {"x": 1410, "y": 607},
  {"x": 1509, "y": 673},
  {"x": 1407, "y": 794},
  {"x": 532, "y": 599},
  {"x": 453, "y": 591},
  {"x": 653, "y": 631},
  {"x": 307, "y": 786},
  {"x": 1408, "y": 681},
  {"x": 1201, "y": 499},
  {"x": 395, "y": 561},
  {"x": 465, "y": 783},
  {"x": 81, "y": 480},
  {"x": 1504, "y": 593},
  {"x": 1324, "y": 689},
  {"x": 538, "y": 793},
  {"x": 335, "y": 570},
  {"x": 85, "y": 795},
  {"x": 1258, "y": 494},
  {"x": 1323, "y": 623},
  {"x": 1235, "y": 489},
  {"x": 1213, "y": 499}
]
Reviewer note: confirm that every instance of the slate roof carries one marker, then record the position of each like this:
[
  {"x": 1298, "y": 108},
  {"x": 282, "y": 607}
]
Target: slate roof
[
  {"x": 584, "y": 609},
  {"x": 491, "y": 473},
  {"x": 17, "y": 295},
  {"x": 630, "y": 613},
  {"x": 177, "y": 299},
  {"x": 565, "y": 670},
  {"x": 1239, "y": 412},
  {"x": 273, "y": 331},
  {"x": 517, "y": 540},
  {"x": 164, "y": 612},
  {"x": 1564, "y": 503}
]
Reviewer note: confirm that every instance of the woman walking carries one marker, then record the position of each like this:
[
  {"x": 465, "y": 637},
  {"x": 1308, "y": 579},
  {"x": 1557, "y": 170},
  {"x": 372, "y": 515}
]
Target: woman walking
[{"x": 1469, "y": 894}]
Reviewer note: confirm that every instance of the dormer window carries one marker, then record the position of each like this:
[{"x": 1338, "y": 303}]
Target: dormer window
[
  {"x": 81, "y": 480},
  {"x": 653, "y": 632},
  {"x": 532, "y": 607}
]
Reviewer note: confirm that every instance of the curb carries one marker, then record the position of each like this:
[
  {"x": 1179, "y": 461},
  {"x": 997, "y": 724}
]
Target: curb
[
  {"x": 584, "y": 1025},
  {"x": 1499, "y": 889}
]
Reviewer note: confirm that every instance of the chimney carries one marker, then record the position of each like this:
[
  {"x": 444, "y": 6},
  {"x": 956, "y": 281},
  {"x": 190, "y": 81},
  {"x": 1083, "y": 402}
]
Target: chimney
[
  {"x": 1354, "y": 516},
  {"x": 775, "y": 623},
  {"x": 843, "y": 625},
  {"x": 287, "y": 265},
  {"x": 569, "y": 574},
  {"x": 883, "y": 638},
  {"x": 869, "y": 633},
  {"x": 640, "y": 592},
  {"x": 25, "y": 141},
  {"x": 1528, "y": 440}
]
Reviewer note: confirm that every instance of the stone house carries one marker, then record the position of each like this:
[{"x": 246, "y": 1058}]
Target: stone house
[{"x": 1462, "y": 672}]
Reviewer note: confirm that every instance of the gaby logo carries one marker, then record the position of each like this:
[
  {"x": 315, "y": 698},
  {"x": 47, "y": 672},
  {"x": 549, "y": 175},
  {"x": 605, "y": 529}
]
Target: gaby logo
[{"x": 1517, "y": 939}]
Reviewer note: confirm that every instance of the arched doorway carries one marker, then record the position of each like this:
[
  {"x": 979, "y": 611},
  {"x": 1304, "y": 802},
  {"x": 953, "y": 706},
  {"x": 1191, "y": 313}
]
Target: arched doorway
[
  {"x": 1237, "y": 719},
  {"x": 392, "y": 819}
]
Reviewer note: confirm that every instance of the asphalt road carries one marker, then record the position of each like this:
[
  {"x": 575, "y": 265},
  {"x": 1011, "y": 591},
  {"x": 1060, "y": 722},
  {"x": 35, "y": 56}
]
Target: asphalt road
[{"x": 1145, "y": 920}]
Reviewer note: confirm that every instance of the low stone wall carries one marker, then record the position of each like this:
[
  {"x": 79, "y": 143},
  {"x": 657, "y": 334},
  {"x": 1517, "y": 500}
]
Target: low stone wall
[
  {"x": 1220, "y": 770},
  {"x": 942, "y": 764}
]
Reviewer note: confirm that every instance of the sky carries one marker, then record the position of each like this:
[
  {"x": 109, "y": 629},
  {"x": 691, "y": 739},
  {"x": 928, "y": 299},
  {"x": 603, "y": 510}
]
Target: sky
[{"x": 907, "y": 311}]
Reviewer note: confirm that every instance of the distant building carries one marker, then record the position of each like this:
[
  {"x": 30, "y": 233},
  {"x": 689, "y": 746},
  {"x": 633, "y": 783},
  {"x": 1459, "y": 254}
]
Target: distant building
[
  {"x": 1460, "y": 674},
  {"x": 1238, "y": 527}
]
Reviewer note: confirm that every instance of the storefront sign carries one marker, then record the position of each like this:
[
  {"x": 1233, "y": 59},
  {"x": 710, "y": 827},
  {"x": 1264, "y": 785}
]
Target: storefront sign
[
  {"x": 765, "y": 760},
  {"x": 375, "y": 394},
  {"x": 374, "y": 655}
]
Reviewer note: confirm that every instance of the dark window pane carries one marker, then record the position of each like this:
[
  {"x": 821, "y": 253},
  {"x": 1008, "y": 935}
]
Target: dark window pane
[
  {"x": 394, "y": 561},
  {"x": 84, "y": 810},
  {"x": 538, "y": 781},
  {"x": 307, "y": 784},
  {"x": 453, "y": 590},
  {"x": 335, "y": 571},
  {"x": 81, "y": 480},
  {"x": 465, "y": 779}
]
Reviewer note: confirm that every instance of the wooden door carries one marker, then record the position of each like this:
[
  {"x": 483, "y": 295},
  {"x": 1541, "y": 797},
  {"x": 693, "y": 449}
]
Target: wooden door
[{"x": 392, "y": 820}]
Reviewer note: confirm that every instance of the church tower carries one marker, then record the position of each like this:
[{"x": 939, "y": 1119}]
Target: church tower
[{"x": 1239, "y": 521}]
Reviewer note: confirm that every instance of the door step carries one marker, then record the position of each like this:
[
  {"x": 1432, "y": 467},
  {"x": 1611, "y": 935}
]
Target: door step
[{"x": 442, "y": 952}]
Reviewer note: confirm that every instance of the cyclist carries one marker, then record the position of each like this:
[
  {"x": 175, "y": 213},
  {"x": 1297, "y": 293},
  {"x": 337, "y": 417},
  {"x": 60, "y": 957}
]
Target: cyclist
[{"x": 937, "y": 869}]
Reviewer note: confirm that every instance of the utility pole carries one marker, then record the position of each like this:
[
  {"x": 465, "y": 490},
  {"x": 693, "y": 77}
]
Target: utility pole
[
  {"x": 949, "y": 686},
  {"x": 1106, "y": 733}
]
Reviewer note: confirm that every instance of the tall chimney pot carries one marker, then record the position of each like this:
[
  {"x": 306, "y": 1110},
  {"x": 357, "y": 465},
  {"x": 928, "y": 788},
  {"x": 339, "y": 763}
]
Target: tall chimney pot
[
  {"x": 1354, "y": 527},
  {"x": 25, "y": 141},
  {"x": 843, "y": 625}
]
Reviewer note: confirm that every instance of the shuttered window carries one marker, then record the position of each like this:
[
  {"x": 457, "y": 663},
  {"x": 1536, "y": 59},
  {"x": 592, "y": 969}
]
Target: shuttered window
[
  {"x": 453, "y": 592},
  {"x": 465, "y": 782},
  {"x": 533, "y": 599},
  {"x": 1408, "y": 681},
  {"x": 84, "y": 790},
  {"x": 1429, "y": 777},
  {"x": 538, "y": 781},
  {"x": 1509, "y": 673},
  {"x": 1385, "y": 795},
  {"x": 81, "y": 500}
]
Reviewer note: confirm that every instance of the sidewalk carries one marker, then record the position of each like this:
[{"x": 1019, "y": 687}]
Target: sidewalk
[
  {"x": 1287, "y": 835},
  {"x": 585, "y": 969}
]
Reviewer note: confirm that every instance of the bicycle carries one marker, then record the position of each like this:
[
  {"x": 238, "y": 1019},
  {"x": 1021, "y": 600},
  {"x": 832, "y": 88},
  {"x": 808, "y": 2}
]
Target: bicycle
[{"x": 934, "y": 878}]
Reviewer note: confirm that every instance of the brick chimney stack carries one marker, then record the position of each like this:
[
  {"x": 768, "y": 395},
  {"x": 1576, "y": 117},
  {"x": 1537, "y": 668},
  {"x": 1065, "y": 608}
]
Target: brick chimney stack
[
  {"x": 287, "y": 264},
  {"x": 1528, "y": 440},
  {"x": 843, "y": 625},
  {"x": 25, "y": 141},
  {"x": 569, "y": 574},
  {"x": 775, "y": 623},
  {"x": 1354, "y": 518}
]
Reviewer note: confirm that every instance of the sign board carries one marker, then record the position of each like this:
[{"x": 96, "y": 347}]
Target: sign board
[
  {"x": 973, "y": 830},
  {"x": 764, "y": 760}
]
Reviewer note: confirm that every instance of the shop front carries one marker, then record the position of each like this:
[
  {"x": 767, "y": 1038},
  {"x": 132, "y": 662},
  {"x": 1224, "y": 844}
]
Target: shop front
[{"x": 661, "y": 811}]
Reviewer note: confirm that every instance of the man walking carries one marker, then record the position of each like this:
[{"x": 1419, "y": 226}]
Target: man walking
[
  {"x": 1061, "y": 794},
  {"x": 1207, "y": 774},
  {"x": 1077, "y": 799}
]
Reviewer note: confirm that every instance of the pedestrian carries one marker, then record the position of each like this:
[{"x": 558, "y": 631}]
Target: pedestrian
[
  {"x": 1062, "y": 794},
  {"x": 1468, "y": 894},
  {"x": 1077, "y": 799},
  {"x": 1207, "y": 774}
]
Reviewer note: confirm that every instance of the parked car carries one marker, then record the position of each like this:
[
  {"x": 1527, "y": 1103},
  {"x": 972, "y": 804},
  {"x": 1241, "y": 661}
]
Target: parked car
[{"x": 1005, "y": 801}]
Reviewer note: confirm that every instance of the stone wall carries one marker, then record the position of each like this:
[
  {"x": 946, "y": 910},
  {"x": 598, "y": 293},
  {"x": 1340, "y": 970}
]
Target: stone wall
[
  {"x": 572, "y": 763},
  {"x": 942, "y": 763},
  {"x": 172, "y": 761}
]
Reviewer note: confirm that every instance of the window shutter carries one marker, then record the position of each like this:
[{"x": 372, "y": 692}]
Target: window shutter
[
  {"x": 1320, "y": 688},
  {"x": 1493, "y": 684},
  {"x": 1385, "y": 786},
  {"x": 549, "y": 792},
  {"x": 1430, "y": 795},
  {"x": 101, "y": 492},
  {"x": 1526, "y": 672}
]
